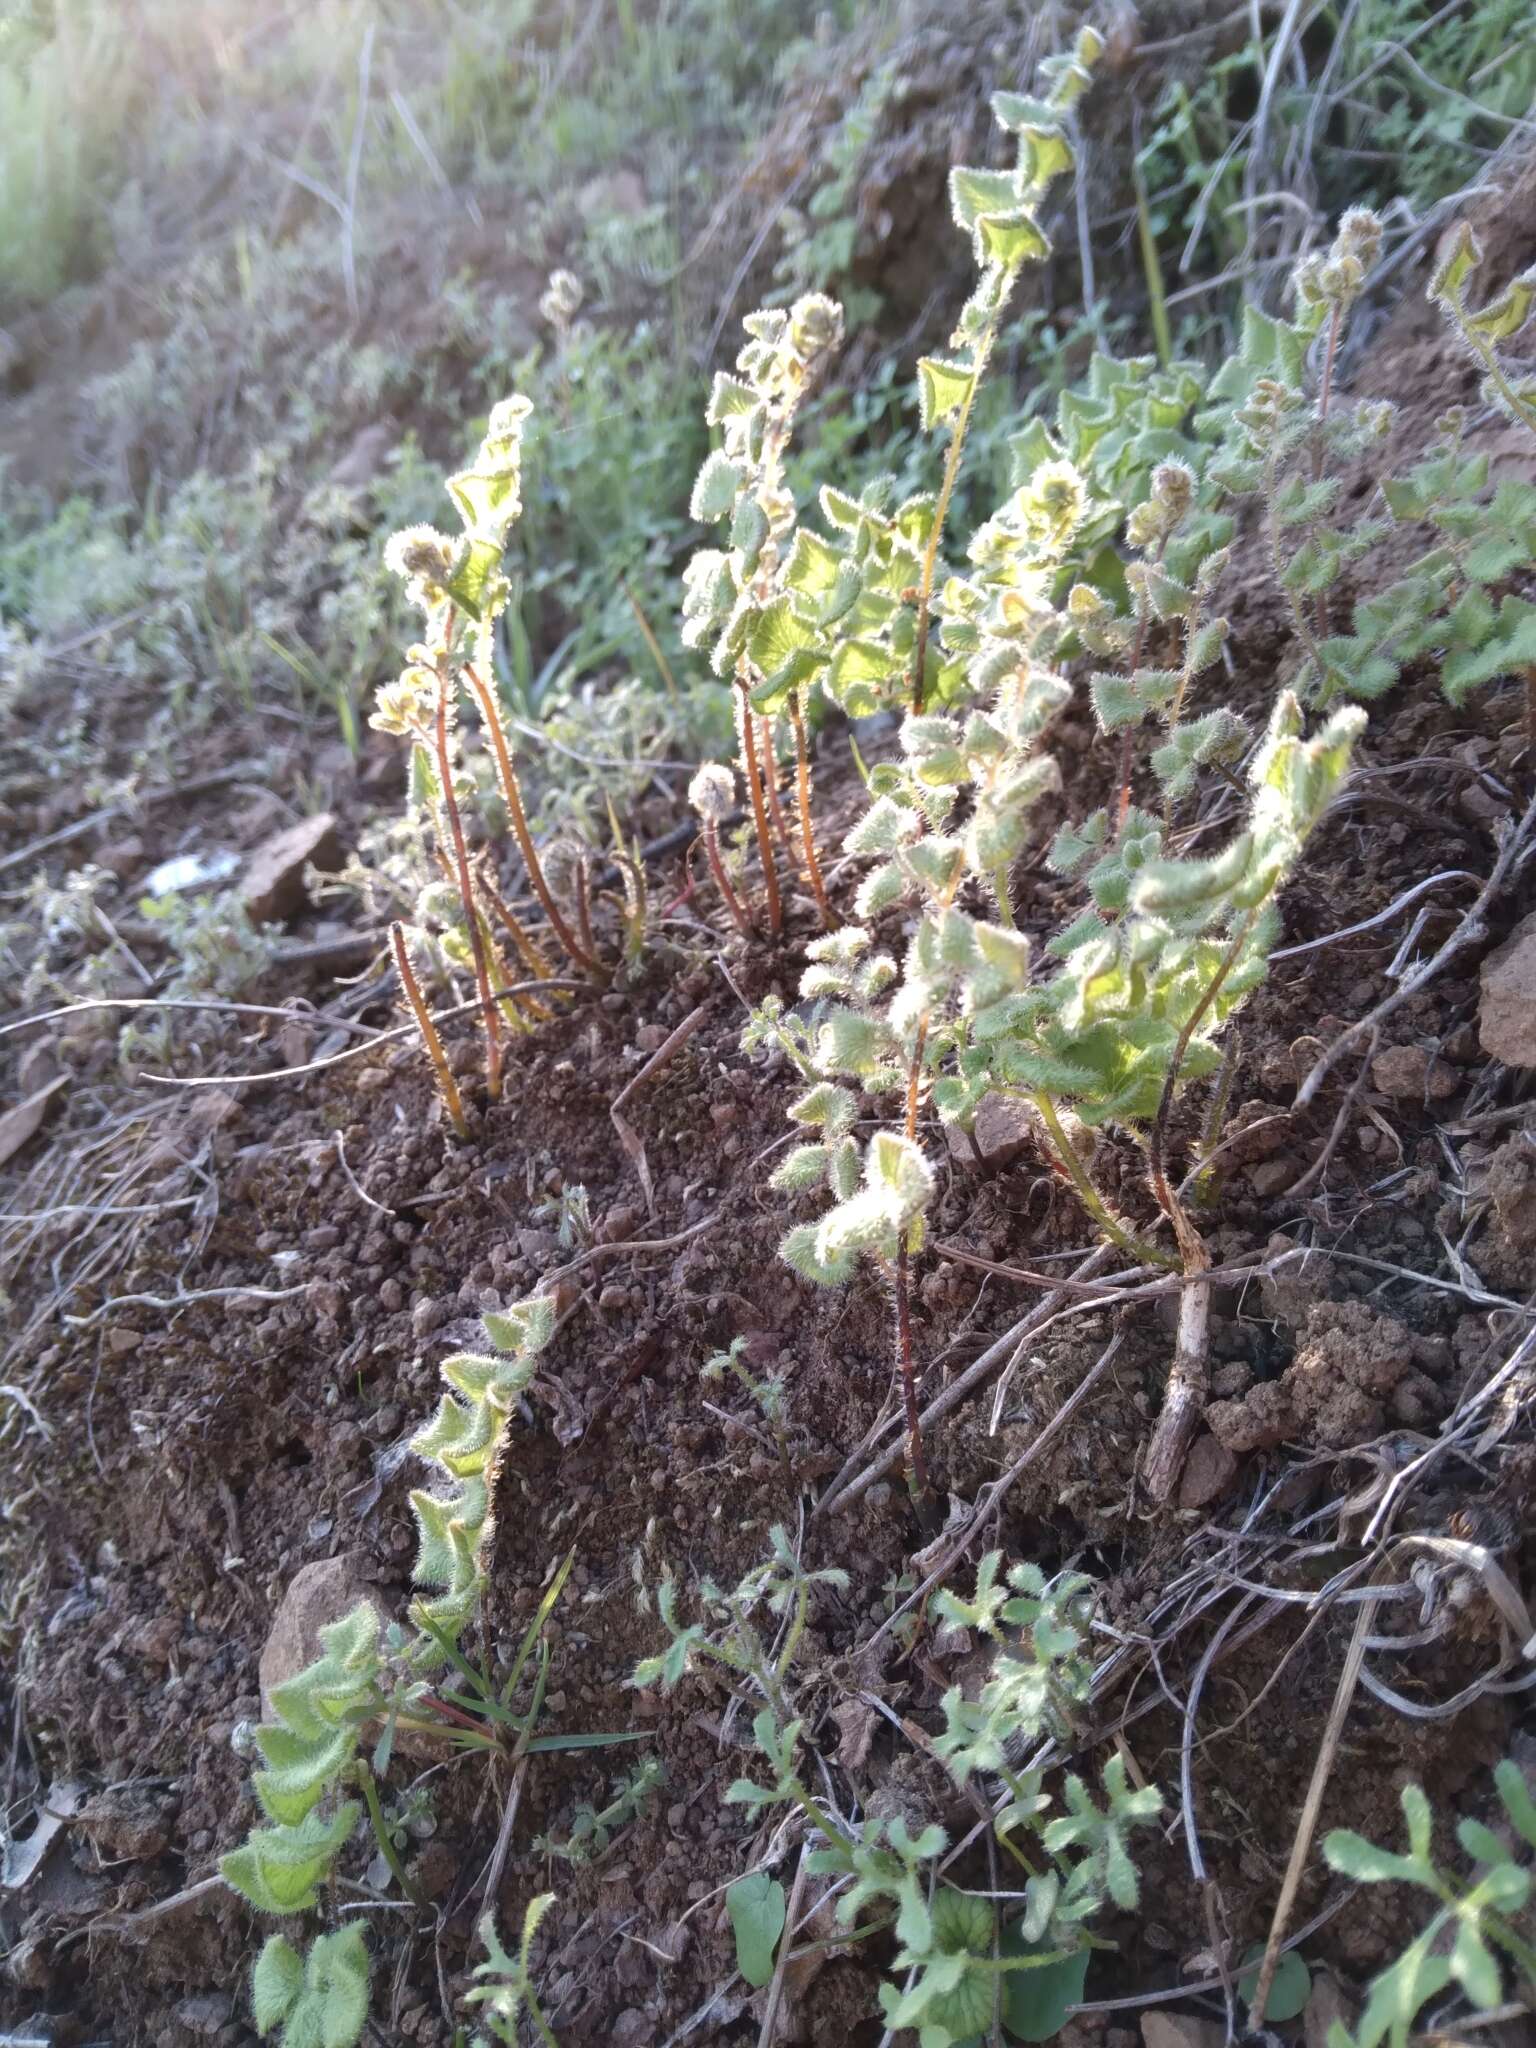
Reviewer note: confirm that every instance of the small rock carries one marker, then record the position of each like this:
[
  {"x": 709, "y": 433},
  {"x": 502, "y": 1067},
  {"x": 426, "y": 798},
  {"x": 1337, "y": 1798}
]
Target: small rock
[
  {"x": 126, "y": 1822},
  {"x": 426, "y": 1317},
  {"x": 633, "y": 2029},
  {"x": 27, "y": 1965},
  {"x": 1410, "y": 1072},
  {"x": 1271, "y": 1176},
  {"x": 205, "y": 2014},
  {"x": 1506, "y": 1016},
  {"x": 1326, "y": 2006},
  {"x": 621, "y": 1222},
  {"x": 272, "y": 887},
  {"x": 1004, "y": 1130},
  {"x": 1180, "y": 2030},
  {"x": 121, "y": 1342},
  {"x": 1208, "y": 1471},
  {"x": 122, "y": 856},
  {"x": 317, "y": 1595},
  {"x": 155, "y": 1640}
]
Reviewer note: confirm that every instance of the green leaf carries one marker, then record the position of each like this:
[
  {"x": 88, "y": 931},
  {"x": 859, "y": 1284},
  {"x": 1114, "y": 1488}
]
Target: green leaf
[
  {"x": 1035, "y": 2001},
  {"x": 488, "y": 502},
  {"x": 755, "y": 1904},
  {"x": 1289, "y": 1990},
  {"x": 277, "y": 1869},
  {"x": 1509, "y": 648},
  {"x": 813, "y": 565},
  {"x": 1502, "y": 318},
  {"x": 477, "y": 585},
  {"x": 973, "y": 193},
  {"x": 715, "y": 488},
  {"x": 729, "y": 398},
  {"x": 1012, "y": 238},
  {"x": 1353, "y": 1856},
  {"x": 1450, "y": 280},
  {"x": 776, "y": 635},
  {"x": 859, "y": 676},
  {"x": 1515, "y": 1797},
  {"x": 277, "y": 1978},
  {"x": 944, "y": 389}
]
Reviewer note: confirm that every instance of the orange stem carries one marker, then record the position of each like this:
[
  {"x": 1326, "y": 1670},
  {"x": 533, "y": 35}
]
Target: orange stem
[
  {"x": 512, "y": 796},
  {"x": 491, "y": 1020}
]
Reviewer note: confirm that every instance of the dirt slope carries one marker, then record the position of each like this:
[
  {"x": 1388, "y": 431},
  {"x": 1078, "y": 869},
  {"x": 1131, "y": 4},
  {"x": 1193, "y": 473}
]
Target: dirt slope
[{"x": 322, "y": 1245}]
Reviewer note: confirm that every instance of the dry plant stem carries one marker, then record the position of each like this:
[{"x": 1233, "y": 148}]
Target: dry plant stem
[
  {"x": 722, "y": 880},
  {"x": 749, "y": 768},
  {"x": 1472, "y": 931},
  {"x": 807, "y": 828},
  {"x": 1184, "y": 1398},
  {"x": 941, "y": 510},
  {"x": 512, "y": 797},
  {"x": 768, "y": 2032},
  {"x": 490, "y": 1017},
  {"x": 447, "y": 1086},
  {"x": 1301, "y": 1848}
]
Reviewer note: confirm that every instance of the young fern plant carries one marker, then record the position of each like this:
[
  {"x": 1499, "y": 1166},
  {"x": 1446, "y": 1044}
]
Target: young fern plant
[
  {"x": 367, "y": 1679},
  {"x": 735, "y": 598},
  {"x": 458, "y": 586}
]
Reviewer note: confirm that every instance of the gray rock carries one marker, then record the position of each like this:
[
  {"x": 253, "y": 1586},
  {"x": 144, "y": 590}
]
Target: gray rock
[
  {"x": 272, "y": 887},
  {"x": 1506, "y": 1016},
  {"x": 317, "y": 1595}
]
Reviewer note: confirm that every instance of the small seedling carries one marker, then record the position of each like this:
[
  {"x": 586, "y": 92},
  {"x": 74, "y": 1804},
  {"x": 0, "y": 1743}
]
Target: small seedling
[
  {"x": 729, "y": 1637},
  {"x": 1476, "y": 1920},
  {"x": 507, "y": 1992},
  {"x": 593, "y": 1829},
  {"x": 953, "y": 1946},
  {"x": 768, "y": 1393}
]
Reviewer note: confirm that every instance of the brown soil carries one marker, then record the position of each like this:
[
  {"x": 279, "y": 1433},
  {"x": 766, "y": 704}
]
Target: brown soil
[{"x": 223, "y": 1378}]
